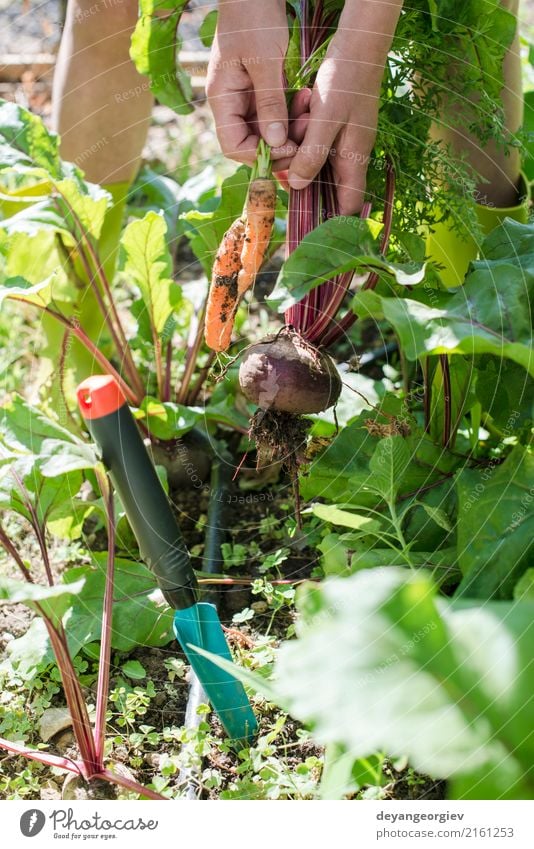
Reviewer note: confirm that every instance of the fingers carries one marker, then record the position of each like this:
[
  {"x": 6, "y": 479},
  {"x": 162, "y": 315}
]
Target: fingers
[
  {"x": 322, "y": 128},
  {"x": 299, "y": 115},
  {"x": 268, "y": 83},
  {"x": 350, "y": 160},
  {"x": 229, "y": 98}
]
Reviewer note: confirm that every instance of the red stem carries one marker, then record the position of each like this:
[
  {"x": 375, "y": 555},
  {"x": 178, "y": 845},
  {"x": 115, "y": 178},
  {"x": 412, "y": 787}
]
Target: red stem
[
  {"x": 115, "y": 325},
  {"x": 91, "y": 347},
  {"x": 193, "y": 349},
  {"x": 107, "y": 615},
  {"x": 36, "y": 525},
  {"x": 199, "y": 382},
  {"x": 81, "y": 725},
  {"x": 42, "y": 757},
  {"x": 346, "y": 322},
  {"x": 166, "y": 395}
]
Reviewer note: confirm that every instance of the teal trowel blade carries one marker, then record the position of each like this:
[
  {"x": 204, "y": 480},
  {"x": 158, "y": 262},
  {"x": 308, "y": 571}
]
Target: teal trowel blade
[{"x": 199, "y": 625}]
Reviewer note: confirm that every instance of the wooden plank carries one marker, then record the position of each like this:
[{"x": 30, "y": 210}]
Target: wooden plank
[{"x": 14, "y": 65}]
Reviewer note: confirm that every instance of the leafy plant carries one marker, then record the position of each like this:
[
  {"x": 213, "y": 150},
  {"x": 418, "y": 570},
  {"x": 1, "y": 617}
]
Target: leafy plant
[
  {"x": 54, "y": 239},
  {"x": 406, "y": 662},
  {"x": 41, "y": 463}
]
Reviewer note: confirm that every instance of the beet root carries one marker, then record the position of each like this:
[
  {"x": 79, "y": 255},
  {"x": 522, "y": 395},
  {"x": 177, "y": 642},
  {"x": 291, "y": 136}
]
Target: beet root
[{"x": 286, "y": 374}]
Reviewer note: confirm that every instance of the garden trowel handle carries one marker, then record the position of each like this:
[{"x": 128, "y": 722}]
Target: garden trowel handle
[{"x": 134, "y": 477}]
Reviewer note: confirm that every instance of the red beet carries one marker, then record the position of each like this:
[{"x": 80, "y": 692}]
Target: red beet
[{"x": 287, "y": 374}]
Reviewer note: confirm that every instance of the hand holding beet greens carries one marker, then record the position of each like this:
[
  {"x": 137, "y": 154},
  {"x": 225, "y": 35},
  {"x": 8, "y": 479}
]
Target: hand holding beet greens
[{"x": 378, "y": 426}]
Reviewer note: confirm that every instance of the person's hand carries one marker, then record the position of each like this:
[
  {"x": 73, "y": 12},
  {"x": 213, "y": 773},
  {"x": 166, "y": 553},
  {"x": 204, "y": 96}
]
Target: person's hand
[
  {"x": 339, "y": 121},
  {"x": 245, "y": 79}
]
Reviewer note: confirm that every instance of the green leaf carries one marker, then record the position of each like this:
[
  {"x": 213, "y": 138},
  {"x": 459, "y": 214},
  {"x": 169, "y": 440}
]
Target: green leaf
[
  {"x": 166, "y": 420},
  {"x": 495, "y": 526},
  {"x": 292, "y": 63},
  {"x": 28, "y": 652},
  {"x": 338, "y": 245},
  {"x": 207, "y": 228},
  {"x": 154, "y": 50},
  {"x": 50, "y": 602},
  {"x": 333, "y": 514},
  {"x": 25, "y": 140},
  {"x": 505, "y": 391},
  {"x": 388, "y": 465},
  {"x": 84, "y": 204},
  {"x": 133, "y": 669},
  {"x": 437, "y": 514},
  {"x": 404, "y": 662},
  {"x": 19, "y": 289},
  {"x": 138, "y": 619},
  {"x": 485, "y": 315},
  {"x": 25, "y": 428},
  {"x": 524, "y": 589},
  {"x": 208, "y": 28},
  {"x": 38, "y": 260},
  {"x": 57, "y": 457},
  {"x": 35, "y": 218},
  {"x": 41, "y": 461},
  {"x": 146, "y": 259}
]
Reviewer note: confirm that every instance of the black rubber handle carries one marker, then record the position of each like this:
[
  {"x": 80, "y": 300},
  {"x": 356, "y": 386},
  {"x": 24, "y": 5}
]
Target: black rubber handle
[{"x": 156, "y": 529}]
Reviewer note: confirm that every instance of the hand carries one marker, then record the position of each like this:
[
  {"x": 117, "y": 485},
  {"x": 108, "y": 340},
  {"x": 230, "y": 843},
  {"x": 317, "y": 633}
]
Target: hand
[
  {"x": 339, "y": 122},
  {"x": 245, "y": 79}
]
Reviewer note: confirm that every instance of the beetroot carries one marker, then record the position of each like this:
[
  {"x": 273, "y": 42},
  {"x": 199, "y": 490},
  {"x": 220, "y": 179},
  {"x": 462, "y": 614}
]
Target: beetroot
[{"x": 286, "y": 374}]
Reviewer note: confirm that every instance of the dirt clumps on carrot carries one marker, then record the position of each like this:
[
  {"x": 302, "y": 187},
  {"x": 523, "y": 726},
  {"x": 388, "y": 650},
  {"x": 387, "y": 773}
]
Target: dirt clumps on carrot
[
  {"x": 223, "y": 295},
  {"x": 261, "y": 203},
  {"x": 286, "y": 374},
  {"x": 238, "y": 260}
]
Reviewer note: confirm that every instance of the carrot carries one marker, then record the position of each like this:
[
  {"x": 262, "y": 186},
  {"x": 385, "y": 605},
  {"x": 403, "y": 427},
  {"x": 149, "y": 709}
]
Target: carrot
[
  {"x": 223, "y": 296},
  {"x": 259, "y": 216}
]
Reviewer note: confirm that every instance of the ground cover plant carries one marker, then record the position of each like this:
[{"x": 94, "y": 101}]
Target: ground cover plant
[{"x": 373, "y": 556}]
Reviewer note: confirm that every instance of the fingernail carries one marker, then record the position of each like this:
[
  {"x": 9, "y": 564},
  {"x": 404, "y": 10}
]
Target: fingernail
[
  {"x": 275, "y": 134},
  {"x": 297, "y": 182}
]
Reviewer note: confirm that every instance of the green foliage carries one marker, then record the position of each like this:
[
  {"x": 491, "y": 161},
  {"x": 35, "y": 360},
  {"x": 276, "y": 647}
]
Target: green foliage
[
  {"x": 49, "y": 602},
  {"x": 137, "y": 618},
  {"x": 166, "y": 420},
  {"x": 338, "y": 245},
  {"x": 154, "y": 50},
  {"x": 205, "y": 228},
  {"x": 486, "y": 315},
  {"x": 496, "y": 525},
  {"x": 41, "y": 463},
  {"x": 26, "y": 142},
  {"x": 146, "y": 260},
  {"x": 404, "y": 661},
  {"x": 208, "y": 27}
]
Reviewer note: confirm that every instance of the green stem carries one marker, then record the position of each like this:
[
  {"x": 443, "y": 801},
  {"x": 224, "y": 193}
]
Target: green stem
[
  {"x": 397, "y": 524},
  {"x": 263, "y": 160}
]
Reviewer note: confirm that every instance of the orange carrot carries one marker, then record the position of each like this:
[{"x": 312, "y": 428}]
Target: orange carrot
[
  {"x": 223, "y": 296},
  {"x": 259, "y": 216}
]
